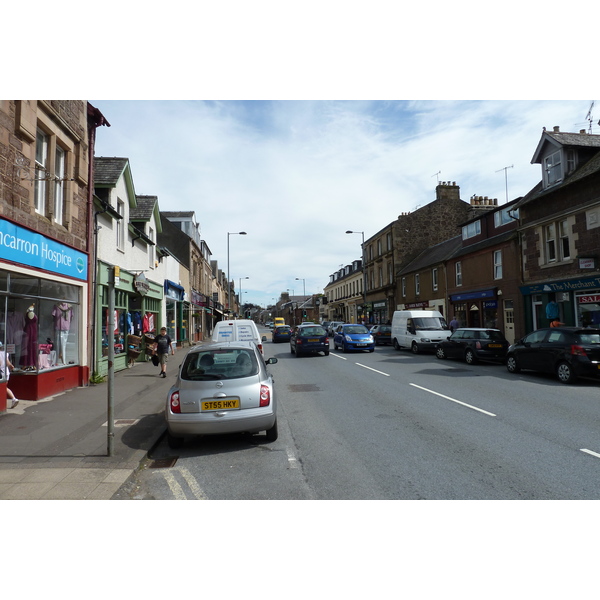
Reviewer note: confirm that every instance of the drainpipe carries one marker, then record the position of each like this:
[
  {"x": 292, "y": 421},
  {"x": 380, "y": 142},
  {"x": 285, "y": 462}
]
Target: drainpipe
[{"x": 95, "y": 119}]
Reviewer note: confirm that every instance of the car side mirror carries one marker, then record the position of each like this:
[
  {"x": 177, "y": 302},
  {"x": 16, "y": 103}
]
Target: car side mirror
[
  {"x": 264, "y": 338},
  {"x": 272, "y": 361}
]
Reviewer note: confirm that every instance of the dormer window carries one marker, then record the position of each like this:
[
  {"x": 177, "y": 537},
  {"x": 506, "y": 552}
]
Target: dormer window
[
  {"x": 553, "y": 172},
  {"x": 471, "y": 230}
]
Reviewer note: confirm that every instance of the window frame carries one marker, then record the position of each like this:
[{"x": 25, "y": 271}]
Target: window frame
[
  {"x": 42, "y": 147},
  {"x": 60, "y": 169},
  {"x": 497, "y": 256},
  {"x": 434, "y": 279},
  {"x": 458, "y": 273},
  {"x": 553, "y": 168}
]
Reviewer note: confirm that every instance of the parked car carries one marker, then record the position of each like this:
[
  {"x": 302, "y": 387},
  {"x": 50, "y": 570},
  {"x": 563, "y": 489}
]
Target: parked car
[
  {"x": 567, "y": 352},
  {"x": 309, "y": 339},
  {"x": 473, "y": 344},
  {"x": 333, "y": 326},
  {"x": 281, "y": 333},
  {"x": 222, "y": 388},
  {"x": 382, "y": 334},
  {"x": 353, "y": 337}
]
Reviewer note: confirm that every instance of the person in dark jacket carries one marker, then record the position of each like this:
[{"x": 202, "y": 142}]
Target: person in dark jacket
[{"x": 162, "y": 347}]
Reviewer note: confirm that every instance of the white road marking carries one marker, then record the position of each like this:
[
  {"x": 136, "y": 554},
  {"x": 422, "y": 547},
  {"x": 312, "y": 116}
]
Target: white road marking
[
  {"x": 454, "y": 400},
  {"x": 292, "y": 460},
  {"x": 370, "y": 369},
  {"x": 338, "y": 356},
  {"x": 191, "y": 481},
  {"x": 590, "y": 452},
  {"x": 175, "y": 487}
]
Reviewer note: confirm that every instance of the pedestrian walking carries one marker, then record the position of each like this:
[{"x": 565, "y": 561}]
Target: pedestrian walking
[
  {"x": 454, "y": 324},
  {"x": 5, "y": 367},
  {"x": 162, "y": 346}
]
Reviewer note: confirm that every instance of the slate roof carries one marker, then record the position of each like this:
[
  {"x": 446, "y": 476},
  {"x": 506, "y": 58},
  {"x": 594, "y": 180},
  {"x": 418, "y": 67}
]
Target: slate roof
[
  {"x": 144, "y": 209},
  {"x": 108, "y": 170},
  {"x": 433, "y": 256}
]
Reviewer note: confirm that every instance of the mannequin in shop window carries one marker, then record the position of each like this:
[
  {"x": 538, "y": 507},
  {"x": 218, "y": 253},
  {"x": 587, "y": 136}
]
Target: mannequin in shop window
[
  {"x": 29, "y": 356},
  {"x": 63, "y": 314}
]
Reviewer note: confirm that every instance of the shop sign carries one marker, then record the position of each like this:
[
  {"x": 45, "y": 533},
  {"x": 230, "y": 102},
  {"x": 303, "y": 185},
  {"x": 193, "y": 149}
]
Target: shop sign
[
  {"x": 423, "y": 304},
  {"x": 379, "y": 304},
  {"x": 587, "y": 263},
  {"x": 593, "y": 299},
  {"x": 562, "y": 286},
  {"x": 472, "y": 295},
  {"x": 490, "y": 304},
  {"x": 25, "y": 247},
  {"x": 141, "y": 285}
]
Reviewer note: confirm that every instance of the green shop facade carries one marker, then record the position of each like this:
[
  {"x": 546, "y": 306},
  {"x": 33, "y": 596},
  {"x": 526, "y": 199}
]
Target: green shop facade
[{"x": 137, "y": 318}]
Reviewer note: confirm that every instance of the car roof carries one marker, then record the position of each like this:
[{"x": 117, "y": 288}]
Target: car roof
[
  {"x": 477, "y": 329},
  {"x": 224, "y": 345}
]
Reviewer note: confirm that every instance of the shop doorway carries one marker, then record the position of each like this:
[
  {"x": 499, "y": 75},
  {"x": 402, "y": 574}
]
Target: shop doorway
[{"x": 509, "y": 321}]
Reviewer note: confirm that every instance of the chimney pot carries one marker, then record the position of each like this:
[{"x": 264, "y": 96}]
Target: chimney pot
[
  {"x": 556, "y": 129},
  {"x": 582, "y": 131}
]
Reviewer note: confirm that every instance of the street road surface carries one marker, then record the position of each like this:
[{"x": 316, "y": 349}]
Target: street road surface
[{"x": 393, "y": 425}]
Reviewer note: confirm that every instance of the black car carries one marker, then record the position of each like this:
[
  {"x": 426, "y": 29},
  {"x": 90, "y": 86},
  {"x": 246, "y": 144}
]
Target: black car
[
  {"x": 281, "y": 333},
  {"x": 473, "y": 344},
  {"x": 567, "y": 352},
  {"x": 309, "y": 339}
]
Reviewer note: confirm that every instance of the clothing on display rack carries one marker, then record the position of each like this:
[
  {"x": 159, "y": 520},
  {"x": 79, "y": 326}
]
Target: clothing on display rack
[
  {"x": 30, "y": 351},
  {"x": 15, "y": 325},
  {"x": 148, "y": 322},
  {"x": 63, "y": 315}
]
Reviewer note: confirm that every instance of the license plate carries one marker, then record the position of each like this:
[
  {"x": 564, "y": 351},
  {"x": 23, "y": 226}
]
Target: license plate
[
  {"x": 316, "y": 340},
  {"x": 494, "y": 345},
  {"x": 224, "y": 404},
  {"x": 361, "y": 344}
]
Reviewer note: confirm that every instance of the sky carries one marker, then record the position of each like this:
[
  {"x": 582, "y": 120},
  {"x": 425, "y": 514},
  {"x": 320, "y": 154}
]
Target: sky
[{"x": 296, "y": 175}]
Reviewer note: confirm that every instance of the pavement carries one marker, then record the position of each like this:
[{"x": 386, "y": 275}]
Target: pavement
[{"x": 57, "y": 448}]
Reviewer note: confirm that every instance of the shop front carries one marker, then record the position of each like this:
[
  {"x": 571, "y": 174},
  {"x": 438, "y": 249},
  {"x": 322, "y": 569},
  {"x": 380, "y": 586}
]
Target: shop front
[
  {"x": 43, "y": 293},
  {"x": 137, "y": 310},
  {"x": 475, "y": 309},
  {"x": 177, "y": 317},
  {"x": 572, "y": 302}
]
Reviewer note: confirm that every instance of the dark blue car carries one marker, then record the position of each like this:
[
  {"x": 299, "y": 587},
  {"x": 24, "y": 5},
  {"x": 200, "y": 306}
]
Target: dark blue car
[
  {"x": 353, "y": 337},
  {"x": 309, "y": 338},
  {"x": 281, "y": 333}
]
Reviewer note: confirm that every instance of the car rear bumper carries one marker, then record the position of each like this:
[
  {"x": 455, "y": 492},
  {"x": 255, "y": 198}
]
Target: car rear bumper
[{"x": 213, "y": 424}]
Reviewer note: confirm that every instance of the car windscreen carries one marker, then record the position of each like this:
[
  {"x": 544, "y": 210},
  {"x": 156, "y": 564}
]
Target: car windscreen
[
  {"x": 490, "y": 334},
  {"x": 311, "y": 331},
  {"x": 429, "y": 323},
  {"x": 588, "y": 339},
  {"x": 230, "y": 363},
  {"x": 356, "y": 329}
]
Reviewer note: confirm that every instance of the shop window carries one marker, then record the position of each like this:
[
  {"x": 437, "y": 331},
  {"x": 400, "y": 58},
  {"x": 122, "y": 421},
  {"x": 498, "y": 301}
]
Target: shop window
[{"x": 40, "y": 333}]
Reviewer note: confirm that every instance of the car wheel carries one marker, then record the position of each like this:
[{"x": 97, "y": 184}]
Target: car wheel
[
  {"x": 326, "y": 352},
  {"x": 565, "y": 373},
  {"x": 272, "y": 433},
  {"x": 344, "y": 348},
  {"x": 372, "y": 350},
  {"x": 297, "y": 353},
  {"x": 414, "y": 348},
  {"x": 512, "y": 365},
  {"x": 470, "y": 357},
  {"x": 439, "y": 352},
  {"x": 174, "y": 442},
  {"x": 395, "y": 344}
]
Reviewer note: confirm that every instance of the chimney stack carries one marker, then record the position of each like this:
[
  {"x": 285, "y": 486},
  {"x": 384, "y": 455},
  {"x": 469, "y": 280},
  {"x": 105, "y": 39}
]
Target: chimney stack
[{"x": 447, "y": 191}]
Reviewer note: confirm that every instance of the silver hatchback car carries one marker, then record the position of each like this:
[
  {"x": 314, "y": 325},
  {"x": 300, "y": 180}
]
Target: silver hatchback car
[{"x": 222, "y": 388}]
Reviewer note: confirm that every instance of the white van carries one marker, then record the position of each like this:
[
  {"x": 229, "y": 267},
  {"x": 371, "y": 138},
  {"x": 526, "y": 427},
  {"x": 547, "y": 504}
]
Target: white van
[
  {"x": 418, "y": 329},
  {"x": 238, "y": 330}
]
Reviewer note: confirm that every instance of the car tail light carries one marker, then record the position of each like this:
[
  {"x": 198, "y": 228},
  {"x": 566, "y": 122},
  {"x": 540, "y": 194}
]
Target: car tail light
[
  {"x": 326, "y": 340},
  {"x": 265, "y": 395},
  {"x": 298, "y": 340},
  {"x": 260, "y": 348},
  {"x": 175, "y": 405},
  {"x": 577, "y": 350}
]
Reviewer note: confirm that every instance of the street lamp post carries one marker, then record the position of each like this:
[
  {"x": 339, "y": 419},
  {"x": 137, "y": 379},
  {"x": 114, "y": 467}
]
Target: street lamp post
[
  {"x": 303, "y": 283},
  {"x": 228, "y": 275},
  {"x": 364, "y": 273},
  {"x": 241, "y": 300}
]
